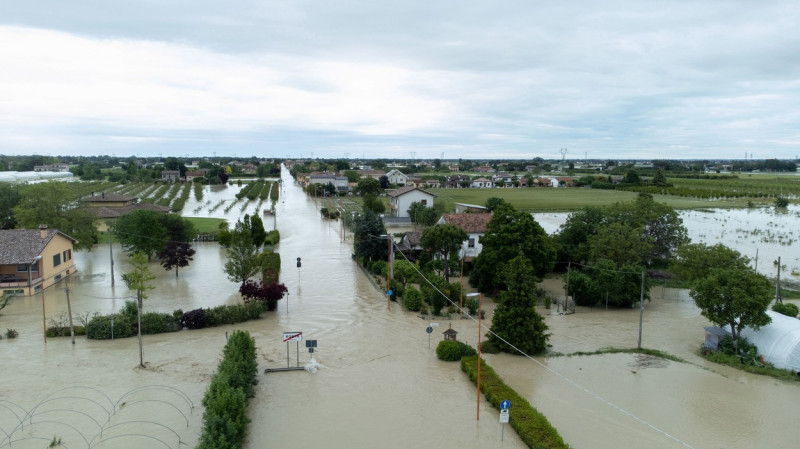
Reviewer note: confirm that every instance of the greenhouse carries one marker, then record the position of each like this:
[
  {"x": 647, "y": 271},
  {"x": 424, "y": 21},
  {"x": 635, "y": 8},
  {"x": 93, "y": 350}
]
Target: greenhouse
[
  {"x": 778, "y": 342},
  {"x": 33, "y": 176}
]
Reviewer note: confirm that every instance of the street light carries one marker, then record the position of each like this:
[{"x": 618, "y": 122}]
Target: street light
[
  {"x": 478, "y": 404},
  {"x": 388, "y": 268}
]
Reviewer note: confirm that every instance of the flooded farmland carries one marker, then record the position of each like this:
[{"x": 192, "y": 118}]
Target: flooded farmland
[{"x": 378, "y": 384}]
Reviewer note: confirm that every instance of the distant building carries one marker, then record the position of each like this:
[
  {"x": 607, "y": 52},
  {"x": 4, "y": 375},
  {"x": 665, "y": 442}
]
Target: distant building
[
  {"x": 474, "y": 225},
  {"x": 34, "y": 259},
  {"x": 400, "y": 199},
  {"x": 52, "y": 168},
  {"x": 170, "y": 175}
]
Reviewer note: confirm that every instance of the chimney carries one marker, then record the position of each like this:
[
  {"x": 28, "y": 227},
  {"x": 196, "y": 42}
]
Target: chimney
[{"x": 42, "y": 231}]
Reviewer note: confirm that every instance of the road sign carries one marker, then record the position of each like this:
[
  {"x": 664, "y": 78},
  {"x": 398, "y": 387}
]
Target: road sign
[
  {"x": 434, "y": 324},
  {"x": 292, "y": 336},
  {"x": 504, "y": 416},
  {"x": 429, "y": 329},
  {"x": 311, "y": 343},
  {"x": 504, "y": 405},
  {"x": 390, "y": 292}
]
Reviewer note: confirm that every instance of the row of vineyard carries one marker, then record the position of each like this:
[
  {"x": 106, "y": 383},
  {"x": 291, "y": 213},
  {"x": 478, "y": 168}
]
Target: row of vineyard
[{"x": 786, "y": 187}]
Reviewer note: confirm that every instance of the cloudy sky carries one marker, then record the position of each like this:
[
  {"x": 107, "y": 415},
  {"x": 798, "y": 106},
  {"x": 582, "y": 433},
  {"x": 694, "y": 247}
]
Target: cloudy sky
[{"x": 350, "y": 78}]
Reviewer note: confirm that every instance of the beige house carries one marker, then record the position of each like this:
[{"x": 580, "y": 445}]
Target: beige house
[{"x": 34, "y": 259}]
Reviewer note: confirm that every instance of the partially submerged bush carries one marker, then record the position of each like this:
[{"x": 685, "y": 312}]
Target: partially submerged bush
[
  {"x": 787, "y": 308},
  {"x": 412, "y": 299}
]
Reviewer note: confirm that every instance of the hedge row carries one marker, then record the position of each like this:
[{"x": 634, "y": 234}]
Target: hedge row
[
  {"x": 531, "y": 426},
  {"x": 125, "y": 323},
  {"x": 225, "y": 418}
]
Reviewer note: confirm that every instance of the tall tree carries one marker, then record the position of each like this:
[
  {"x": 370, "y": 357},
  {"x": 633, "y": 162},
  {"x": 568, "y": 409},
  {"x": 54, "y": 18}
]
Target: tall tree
[
  {"x": 508, "y": 233},
  {"x": 733, "y": 297},
  {"x": 257, "y": 230},
  {"x": 55, "y": 204},
  {"x": 515, "y": 321},
  {"x": 621, "y": 243},
  {"x": 242, "y": 258},
  {"x": 697, "y": 259},
  {"x": 176, "y": 254},
  {"x": 367, "y": 231},
  {"x": 442, "y": 240},
  {"x": 368, "y": 186},
  {"x": 139, "y": 279},
  {"x": 9, "y": 198}
]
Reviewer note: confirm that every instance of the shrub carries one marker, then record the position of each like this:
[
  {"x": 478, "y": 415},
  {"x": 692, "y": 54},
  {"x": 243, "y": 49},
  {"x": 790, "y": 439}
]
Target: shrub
[
  {"x": 378, "y": 267},
  {"x": 157, "y": 323},
  {"x": 273, "y": 237},
  {"x": 787, "y": 308},
  {"x": 63, "y": 331},
  {"x": 270, "y": 267},
  {"x": 781, "y": 202},
  {"x": 194, "y": 319},
  {"x": 412, "y": 299},
  {"x": 466, "y": 350},
  {"x": 11, "y": 333},
  {"x": 448, "y": 351},
  {"x": 472, "y": 305},
  {"x": 100, "y": 327},
  {"x": 225, "y": 419},
  {"x": 130, "y": 309},
  {"x": 397, "y": 291},
  {"x": 531, "y": 426}
]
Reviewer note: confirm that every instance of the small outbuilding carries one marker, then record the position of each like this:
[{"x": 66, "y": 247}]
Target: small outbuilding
[
  {"x": 713, "y": 336},
  {"x": 778, "y": 342}
]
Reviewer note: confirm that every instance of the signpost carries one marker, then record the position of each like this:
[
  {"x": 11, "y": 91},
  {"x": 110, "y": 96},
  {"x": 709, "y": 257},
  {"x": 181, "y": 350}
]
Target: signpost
[
  {"x": 429, "y": 330},
  {"x": 295, "y": 337},
  {"x": 504, "y": 405}
]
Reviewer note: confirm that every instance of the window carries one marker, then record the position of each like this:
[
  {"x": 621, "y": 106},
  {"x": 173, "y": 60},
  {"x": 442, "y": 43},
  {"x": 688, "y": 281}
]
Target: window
[
  {"x": 69, "y": 254},
  {"x": 424, "y": 202},
  {"x": 471, "y": 243},
  {"x": 21, "y": 268},
  {"x": 56, "y": 260},
  {"x": 57, "y": 278}
]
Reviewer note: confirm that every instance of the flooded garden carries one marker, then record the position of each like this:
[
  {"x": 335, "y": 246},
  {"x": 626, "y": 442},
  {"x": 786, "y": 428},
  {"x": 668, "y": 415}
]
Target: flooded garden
[{"x": 379, "y": 384}]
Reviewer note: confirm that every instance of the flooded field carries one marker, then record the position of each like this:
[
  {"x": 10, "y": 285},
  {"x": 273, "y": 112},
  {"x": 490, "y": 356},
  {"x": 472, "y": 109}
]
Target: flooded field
[
  {"x": 763, "y": 234},
  {"x": 379, "y": 385}
]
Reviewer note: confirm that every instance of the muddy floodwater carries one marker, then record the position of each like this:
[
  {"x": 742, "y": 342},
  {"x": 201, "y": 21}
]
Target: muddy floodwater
[{"x": 379, "y": 384}]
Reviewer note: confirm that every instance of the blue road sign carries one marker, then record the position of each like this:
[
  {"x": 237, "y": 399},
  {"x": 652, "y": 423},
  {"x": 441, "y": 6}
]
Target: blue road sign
[
  {"x": 429, "y": 329},
  {"x": 389, "y": 292},
  {"x": 505, "y": 404}
]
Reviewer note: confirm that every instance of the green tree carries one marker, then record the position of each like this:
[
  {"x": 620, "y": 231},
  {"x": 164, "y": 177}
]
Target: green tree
[
  {"x": 659, "y": 180},
  {"x": 696, "y": 260},
  {"x": 56, "y": 205},
  {"x": 367, "y": 231},
  {"x": 441, "y": 240},
  {"x": 352, "y": 176},
  {"x": 405, "y": 272},
  {"x": 373, "y": 203},
  {"x": 508, "y": 233},
  {"x": 574, "y": 236},
  {"x": 516, "y": 322},
  {"x": 149, "y": 231},
  {"x": 368, "y": 186},
  {"x": 493, "y": 202},
  {"x": 9, "y": 198},
  {"x": 734, "y": 297},
  {"x": 243, "y": 262},
  {"x": 621, "y": 243},
  {"x": 257, "y": 230},
  {"x": 424, "y": 215},
  {"x": 139, "y": 279}
]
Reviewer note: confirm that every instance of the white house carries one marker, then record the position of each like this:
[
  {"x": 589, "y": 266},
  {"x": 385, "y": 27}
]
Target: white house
[
  {"x": 340, "y": 182},
  {"x": 397, "y": 177},
  {"x": 481, "y": 183},
  {"x": 474, "y": 225},
  {"x": 400, "y": 199}
]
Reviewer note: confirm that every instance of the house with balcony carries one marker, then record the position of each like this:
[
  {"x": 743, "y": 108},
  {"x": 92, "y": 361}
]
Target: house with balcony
[
  {"x": 474, "y": 224},
  {"x": 482, "y": 183},
  {"x": 170, "y": 175},
  {"x": 396, "y": 177},
  {"x": 34, "y": 259}
]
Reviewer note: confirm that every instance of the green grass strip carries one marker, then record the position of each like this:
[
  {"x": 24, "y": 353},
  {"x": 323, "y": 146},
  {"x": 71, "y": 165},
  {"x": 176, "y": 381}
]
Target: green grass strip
[{"x": 531, "y": 426}]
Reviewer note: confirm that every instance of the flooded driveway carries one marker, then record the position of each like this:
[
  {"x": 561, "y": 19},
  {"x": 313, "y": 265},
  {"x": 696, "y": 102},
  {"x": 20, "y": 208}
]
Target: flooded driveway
[{"x": 379, "y": 385}]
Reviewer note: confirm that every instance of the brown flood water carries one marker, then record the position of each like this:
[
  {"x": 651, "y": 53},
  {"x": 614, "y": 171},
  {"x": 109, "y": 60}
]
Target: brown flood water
[{"x": 378, "y": 384}]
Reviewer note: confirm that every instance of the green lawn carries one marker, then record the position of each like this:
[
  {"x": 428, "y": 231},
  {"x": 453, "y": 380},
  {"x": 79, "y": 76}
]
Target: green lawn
[
  {"x": 547, "y": 199},
  {"x": 205, "y": 225}
]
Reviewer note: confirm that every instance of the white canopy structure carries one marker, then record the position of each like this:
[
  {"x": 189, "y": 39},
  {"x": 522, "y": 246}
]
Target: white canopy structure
[
  {"x": 33, "y": 176},
  {"x": 778, "y": 341}
]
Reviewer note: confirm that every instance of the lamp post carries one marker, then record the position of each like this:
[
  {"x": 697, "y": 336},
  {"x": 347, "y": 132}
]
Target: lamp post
[
  {"x": 478, "y": 401},
  {"x": 44, "y": 320}
]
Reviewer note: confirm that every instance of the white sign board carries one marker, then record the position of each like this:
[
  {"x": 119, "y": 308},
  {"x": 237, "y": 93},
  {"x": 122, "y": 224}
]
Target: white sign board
[
  {"x": 503, "y": 416},
  {"x": 292, "y": 336}
]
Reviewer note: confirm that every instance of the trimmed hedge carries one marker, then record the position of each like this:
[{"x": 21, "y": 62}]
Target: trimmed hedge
[
  {"x": 63, "y": 331},
  {"x": 225, "y": 418},
  {"x": 273, "y": 237},
  {"x": 99, "y": 327},
  {"x": 531, "y": 426}
]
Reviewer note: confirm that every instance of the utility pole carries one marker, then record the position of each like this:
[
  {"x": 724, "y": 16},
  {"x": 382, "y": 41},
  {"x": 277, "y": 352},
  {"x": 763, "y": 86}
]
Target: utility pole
[
  {"x": 111, "y": 252},
  {"x": 641, "y": 310},
  {"x": 778, "y": 298},
  {"x": 69, "y": 310}
]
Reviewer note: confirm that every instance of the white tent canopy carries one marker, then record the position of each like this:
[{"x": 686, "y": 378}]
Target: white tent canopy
[
  {"x": 32, "y": 176},
  {"x": 778, "y": 341}
]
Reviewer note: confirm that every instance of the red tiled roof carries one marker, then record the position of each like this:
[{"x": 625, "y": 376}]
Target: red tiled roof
[
  {"x": 471, "y": 223},
  {"x": 405, "y": 189},
  {"x": 114, "y": 212},
  {"x": 109, "y": 197}
]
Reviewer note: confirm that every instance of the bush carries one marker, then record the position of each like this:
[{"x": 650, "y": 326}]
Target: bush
[
  {"x": 531, "y": 426},
  {"x": 412, "y": 299},
  {"x": 11, "y": 333},
  {"x": 157, "y": 323},
  {"x": 397, "y": 291},
  {"x": 270, "y": 267},
  {"x": 130, "y": 308},
  {"x": 378, "y": 267},
  {"x": 448, "y": 351},
  {"x": 100, "y": 327},
  {"x": 232, "y": 314},
  {"x": 63, "y": 331},
  {"x": 787, "y": 308},
  {"x": 466, "y": 350},
  {"x": 225, "y": 419},
  {"x": 472, "y": 305},
  {"x": 194, "y": 319},
  {"x": 273, "y": 237}
]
